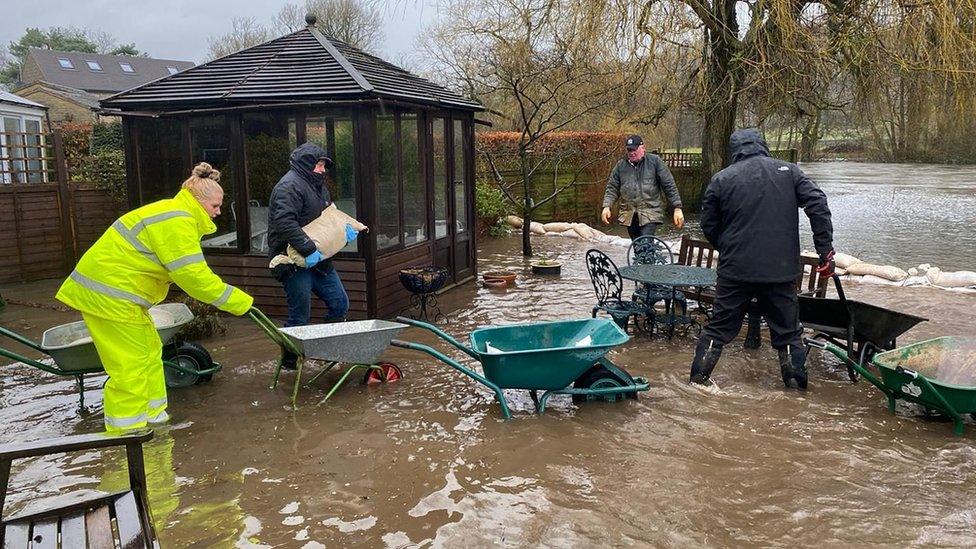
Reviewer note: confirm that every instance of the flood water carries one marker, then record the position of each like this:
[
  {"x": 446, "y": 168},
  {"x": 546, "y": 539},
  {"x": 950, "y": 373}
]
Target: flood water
[
  {"x": 899, "y": 214},
  {"x": 428, "y": 461}
]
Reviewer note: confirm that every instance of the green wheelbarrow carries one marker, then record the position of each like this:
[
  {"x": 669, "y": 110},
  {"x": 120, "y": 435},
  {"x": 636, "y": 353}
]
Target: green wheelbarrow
[
  {"x": 557, "y": 358},
  {"x": 73, "y": 353},
  {"x": 359, "y": 344},
  {"x": 939, "y": 374}
]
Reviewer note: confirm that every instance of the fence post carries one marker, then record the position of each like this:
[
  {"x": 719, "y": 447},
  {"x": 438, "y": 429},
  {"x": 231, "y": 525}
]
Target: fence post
[{"x": 64, "y": 202}]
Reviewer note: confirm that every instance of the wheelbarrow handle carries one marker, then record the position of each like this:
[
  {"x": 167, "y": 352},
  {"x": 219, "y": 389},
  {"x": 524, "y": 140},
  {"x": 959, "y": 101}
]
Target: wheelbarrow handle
[
  {"x": 271, "y": 329},
  {"x": 840, "y": 288},
  {"x": 439, "y": 333},
  {"x": 20, "y": 339},
  {"x": 842, "y": 354}
]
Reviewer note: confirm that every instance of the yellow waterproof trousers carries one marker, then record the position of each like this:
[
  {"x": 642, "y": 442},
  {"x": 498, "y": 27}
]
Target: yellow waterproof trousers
[{"x": 132, "y": 355}]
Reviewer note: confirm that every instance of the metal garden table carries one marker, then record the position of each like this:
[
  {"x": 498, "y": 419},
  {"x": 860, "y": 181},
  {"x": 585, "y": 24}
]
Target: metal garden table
[{"x": 672, "y": 276}]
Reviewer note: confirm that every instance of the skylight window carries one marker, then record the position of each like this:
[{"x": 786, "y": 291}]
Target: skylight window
[
  {"x": 126, "y": 67},
  {"x": 65, "y": 63},
  {"x": 93, "y": 65},
  {"x": 172, "y": 70}
]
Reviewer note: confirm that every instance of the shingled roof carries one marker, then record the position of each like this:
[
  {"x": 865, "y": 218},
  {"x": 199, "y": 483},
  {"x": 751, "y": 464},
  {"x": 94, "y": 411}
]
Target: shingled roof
[
  {"x": 109, "y": 78},
  {"x": 302, "y": 66}
]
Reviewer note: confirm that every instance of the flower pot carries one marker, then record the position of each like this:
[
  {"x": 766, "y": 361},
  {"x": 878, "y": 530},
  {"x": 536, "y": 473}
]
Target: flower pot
[
  {"x": 495, "y": 283},
  {"x": 546, "y": 268},
  {"x": 508, "y": 277}
]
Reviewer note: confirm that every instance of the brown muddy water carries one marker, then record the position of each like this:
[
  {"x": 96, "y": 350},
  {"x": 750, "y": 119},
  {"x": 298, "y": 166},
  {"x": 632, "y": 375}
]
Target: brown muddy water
[{"x": 428, "y": 461}]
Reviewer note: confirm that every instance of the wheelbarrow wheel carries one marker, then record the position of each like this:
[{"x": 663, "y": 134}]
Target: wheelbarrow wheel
[
  {"x": 390, "y": 372},
  {"x": 599, "y": 377},
  {"x": 190, "y": 356}
]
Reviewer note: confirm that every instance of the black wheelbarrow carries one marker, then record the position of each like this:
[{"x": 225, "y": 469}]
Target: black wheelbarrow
[{"x": 860, "y": 329}]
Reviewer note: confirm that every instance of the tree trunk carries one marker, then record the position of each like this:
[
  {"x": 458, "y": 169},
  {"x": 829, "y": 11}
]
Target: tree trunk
[
  {"x": 721, "y": 91},
  {"x": 526, "y": 204},
  {"x": 810, "y": 136}
]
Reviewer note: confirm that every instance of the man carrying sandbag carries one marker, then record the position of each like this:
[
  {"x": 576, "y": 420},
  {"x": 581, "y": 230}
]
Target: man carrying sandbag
[
  {"x": 750, "y": 214},
  {"x": 299, "y": 198}
]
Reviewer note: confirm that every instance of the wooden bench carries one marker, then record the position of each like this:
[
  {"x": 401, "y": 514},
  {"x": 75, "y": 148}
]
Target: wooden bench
[
  {"x": 700, "y": 253},
  {"x": 120, "y": 519}
]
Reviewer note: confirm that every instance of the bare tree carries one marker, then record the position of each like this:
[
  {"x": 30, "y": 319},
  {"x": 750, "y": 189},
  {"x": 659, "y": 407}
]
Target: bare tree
[
  {"x": 355, "y": 22},
  {"x": 245, "y": 33},
  {"x": 547, "y": 65}
]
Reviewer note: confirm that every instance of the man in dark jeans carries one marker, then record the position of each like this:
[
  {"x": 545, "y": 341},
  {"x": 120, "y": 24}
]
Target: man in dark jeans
[
  {"x": 750, "y": 214},
  {"x": 638, "y": 181},
  {"x": 298, "y": 199}
]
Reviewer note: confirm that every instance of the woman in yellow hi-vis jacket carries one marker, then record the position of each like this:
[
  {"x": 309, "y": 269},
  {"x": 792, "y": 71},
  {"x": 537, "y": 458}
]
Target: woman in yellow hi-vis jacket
[{"x": 127, "y": 271}]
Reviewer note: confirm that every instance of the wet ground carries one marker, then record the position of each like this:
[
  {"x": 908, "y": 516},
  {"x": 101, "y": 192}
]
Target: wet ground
[{"x": 428, "y": 461}]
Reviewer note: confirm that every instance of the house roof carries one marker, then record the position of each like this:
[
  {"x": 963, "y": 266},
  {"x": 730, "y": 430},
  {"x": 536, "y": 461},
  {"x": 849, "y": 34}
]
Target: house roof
[
  {"x": 72, "y": 94},
  {"x": 7, "y": 97},
  {"x": 110, "y": 79},
  {"x": 302, "y": 66}
]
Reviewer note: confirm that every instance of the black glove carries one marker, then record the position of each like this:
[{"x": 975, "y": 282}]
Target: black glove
[{"x": 827, "y": 265}]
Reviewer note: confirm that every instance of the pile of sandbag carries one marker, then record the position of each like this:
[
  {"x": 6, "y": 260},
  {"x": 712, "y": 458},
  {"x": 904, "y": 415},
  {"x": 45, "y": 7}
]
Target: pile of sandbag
[
  {"x": 923, "y": 275},
  {"x": 579, "y": 231},
  {"x": 957, "y": 279}
]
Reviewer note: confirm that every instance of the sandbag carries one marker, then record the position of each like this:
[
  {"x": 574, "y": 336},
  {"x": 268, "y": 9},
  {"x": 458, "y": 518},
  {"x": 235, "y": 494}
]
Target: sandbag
[
  {"x": 585, "y": 231},
  {"x": 844, "y": 261},
  {"x": 957, "y": 279},
  {"x": 886, "y": 272},
  {"x": 557, "y": 227},
  {"x": 514, "y": 221},
  {"x": 571, "y": 233},
  {"x": 872, "y": 279},
  {"x": 537, "y": 228},
  {"x": 328, "y": 232}
]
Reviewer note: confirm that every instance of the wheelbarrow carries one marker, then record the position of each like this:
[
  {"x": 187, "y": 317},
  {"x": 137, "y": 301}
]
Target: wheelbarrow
[
  {"x": 71, "y": 349},
  {"x": 359, "y": 344},
  {"x": 860, "y": 329},
  {"x": 545, "y": 356},
  {"x": 938, "y": 373}
]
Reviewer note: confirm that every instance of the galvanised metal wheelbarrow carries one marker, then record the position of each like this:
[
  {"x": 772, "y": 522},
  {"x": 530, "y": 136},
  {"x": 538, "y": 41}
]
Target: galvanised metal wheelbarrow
[
  {"x": 938, "y": 373},
  {"x": 545, "y": 356},
  {"x": 71, "y": 349},
  {"x": 358, "y": 344}
]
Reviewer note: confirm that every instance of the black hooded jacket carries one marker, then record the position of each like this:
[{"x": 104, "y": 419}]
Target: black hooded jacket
[
  {"x": 750, "y": 213},
  {"x": 297, "y": 199}
]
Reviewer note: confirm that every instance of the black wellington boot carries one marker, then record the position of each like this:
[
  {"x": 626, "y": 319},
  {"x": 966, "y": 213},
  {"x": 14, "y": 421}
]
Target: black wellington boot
[
  {"x": 707, "y": 354},
  {"x": 793, "y": 366},
  {"x": 289, "y": 360}
]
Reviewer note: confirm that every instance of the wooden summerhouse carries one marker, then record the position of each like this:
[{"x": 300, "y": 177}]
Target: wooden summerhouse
[{"x": 403, "y": 150}]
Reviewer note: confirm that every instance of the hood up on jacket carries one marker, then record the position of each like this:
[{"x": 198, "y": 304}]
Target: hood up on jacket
[
  {"x": 746, "y": 143},
  {"x": 303, "y": 161}
]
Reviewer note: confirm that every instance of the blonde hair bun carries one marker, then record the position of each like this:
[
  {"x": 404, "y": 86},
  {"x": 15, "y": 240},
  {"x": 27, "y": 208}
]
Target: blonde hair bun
[{"x": 206, "y": 171}]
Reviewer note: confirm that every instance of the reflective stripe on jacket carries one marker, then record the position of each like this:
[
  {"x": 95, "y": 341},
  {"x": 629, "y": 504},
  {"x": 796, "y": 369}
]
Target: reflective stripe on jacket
[{"x": 132, "y": 265}]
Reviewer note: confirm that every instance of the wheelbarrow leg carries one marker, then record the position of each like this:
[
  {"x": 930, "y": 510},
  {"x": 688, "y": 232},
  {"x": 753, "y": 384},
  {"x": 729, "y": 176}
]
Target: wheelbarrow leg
[
  {"x": 274, "y": 381},
  {"x": 298, "y": 382},
  {"x": 345, "y": 375},
  {"x": 80, "y": 380},
  {"x": 320, "y": 374}
]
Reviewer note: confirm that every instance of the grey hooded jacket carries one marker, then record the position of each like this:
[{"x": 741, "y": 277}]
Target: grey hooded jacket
[{"x": 638, "y": 187}]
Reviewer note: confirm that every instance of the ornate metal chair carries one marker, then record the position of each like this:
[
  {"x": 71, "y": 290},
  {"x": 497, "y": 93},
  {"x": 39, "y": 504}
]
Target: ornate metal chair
[
  {"x": 650, "y": 250},
  {"x": 609, "y": 289}
]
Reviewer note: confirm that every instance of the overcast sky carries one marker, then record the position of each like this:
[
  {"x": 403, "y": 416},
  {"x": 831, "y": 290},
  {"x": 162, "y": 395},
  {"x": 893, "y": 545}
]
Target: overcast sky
[{"x": 178, "y": 29}]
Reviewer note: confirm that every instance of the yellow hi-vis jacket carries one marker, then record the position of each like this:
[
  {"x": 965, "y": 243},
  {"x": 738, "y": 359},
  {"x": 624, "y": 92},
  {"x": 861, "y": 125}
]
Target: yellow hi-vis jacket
[{"x": 131, "y": 266}]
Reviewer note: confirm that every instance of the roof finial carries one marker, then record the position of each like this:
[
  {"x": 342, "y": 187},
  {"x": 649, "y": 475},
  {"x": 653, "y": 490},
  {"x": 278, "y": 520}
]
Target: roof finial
[{"x": 310, "y": 19}]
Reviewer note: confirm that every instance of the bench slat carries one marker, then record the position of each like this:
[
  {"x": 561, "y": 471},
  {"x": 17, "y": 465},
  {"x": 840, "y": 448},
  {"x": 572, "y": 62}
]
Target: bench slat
[
  {"x": 127, "y": 519},
  {"x": 15, "y": 535},
  {"x": 98, "y": 526},
  {"x": 73, "y": 532},
  {"x": 45, "y": 534}
]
